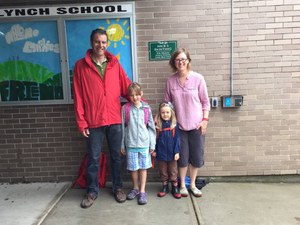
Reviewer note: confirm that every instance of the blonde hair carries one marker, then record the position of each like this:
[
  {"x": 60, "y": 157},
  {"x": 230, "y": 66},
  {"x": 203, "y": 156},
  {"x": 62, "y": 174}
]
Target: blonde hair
[
  {"x": 173, "y": 117},
  {"x": 134, "y": 87},
  {"x": 175, "y": 54}
]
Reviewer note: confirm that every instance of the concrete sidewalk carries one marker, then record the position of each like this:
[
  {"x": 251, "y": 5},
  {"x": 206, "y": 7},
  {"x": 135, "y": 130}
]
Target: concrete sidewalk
[
  {"x": 251, "y": 204},
  {"x": 106, "y": 210},
  {"x": 221, "y": 203},
  {"x": 23, "y": 204}
]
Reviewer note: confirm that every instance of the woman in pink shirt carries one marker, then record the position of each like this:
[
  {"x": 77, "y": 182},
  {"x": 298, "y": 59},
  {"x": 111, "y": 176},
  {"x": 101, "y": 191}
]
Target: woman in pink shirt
[{"x": 188, "y": 92}]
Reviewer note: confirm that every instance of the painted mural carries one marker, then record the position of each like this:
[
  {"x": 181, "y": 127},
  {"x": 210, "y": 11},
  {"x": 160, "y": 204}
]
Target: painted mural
[{"x": 30, "y": 61}]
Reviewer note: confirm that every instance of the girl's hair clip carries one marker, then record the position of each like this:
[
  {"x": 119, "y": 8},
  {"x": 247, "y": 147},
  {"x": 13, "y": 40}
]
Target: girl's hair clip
[{"x": 166, "y": 104}]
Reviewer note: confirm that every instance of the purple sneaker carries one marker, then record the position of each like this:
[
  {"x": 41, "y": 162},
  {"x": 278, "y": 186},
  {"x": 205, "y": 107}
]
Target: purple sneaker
[
  {"x": 133, "y": 194},
  {"x": 142, "y": 199}
]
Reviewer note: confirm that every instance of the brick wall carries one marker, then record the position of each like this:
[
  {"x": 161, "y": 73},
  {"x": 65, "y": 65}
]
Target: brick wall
[
  {"x": 41, "y": 143},
  {"x": 261, "y": 137}
]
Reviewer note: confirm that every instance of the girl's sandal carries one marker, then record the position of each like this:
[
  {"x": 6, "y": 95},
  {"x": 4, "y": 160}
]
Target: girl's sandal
[
  {"x": 196, "y": 192},
  {"x": 184, "y": 192}
]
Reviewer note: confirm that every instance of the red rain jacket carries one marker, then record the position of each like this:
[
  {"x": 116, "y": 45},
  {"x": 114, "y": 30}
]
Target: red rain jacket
[{"x": 97, "y": 102}]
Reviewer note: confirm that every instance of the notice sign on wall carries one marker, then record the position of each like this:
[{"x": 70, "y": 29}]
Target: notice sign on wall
[{"x": 161, "y": 50}]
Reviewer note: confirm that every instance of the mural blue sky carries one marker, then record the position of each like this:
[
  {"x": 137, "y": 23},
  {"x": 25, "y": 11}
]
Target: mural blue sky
[
  {"x": 118, "y": 30},
  {"x": 35, "y": 42}
]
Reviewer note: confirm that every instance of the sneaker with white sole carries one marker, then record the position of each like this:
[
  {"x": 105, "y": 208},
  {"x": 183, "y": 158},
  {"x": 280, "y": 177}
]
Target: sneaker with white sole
[
  {"x": 196, "y": 192},
  {"x": 184, "y": 192}
]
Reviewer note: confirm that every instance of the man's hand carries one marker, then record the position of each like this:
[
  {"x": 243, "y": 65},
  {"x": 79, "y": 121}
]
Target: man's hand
[
  {"x": 86, "y": 133},
  {"x": 176, "y": 156},
  {"x": 154, "y": 154},
  {"x": 151, "y": 151}
]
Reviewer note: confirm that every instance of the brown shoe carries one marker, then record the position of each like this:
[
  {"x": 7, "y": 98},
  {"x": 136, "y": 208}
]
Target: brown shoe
[
  {"x": 88, "y": 200},
  {"x": 120, "y": 196}
]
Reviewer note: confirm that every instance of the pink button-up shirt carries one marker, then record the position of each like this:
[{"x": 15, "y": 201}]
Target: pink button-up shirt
[{"x": 189, "y": 101}]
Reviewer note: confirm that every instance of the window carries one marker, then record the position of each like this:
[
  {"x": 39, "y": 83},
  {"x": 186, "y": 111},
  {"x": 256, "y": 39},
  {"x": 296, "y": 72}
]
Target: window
[
  {"x": 39, "y": 48},
  {"x": 30, "y": 67}
]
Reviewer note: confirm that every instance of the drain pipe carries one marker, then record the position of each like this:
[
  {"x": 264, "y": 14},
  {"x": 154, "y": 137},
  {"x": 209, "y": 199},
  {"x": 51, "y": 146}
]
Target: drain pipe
[
  {"x": 231, "y": 52},
  {"x": 230, "y": 100}
]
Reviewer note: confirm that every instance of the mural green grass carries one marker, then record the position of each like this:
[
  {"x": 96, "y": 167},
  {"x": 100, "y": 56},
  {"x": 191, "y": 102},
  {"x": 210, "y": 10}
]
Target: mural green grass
[
  {"x": 21, "y": 80},
  {"x": 24, "y": 71}
]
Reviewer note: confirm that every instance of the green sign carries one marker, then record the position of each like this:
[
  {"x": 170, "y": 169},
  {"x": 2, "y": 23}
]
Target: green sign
[{"x": 161, "y": 50}]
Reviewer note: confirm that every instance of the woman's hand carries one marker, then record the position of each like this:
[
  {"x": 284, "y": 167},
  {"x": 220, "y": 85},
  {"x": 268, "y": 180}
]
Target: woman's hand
[
  {"x": 203, "y": 126},
  {"x": 154, "y": 154}
]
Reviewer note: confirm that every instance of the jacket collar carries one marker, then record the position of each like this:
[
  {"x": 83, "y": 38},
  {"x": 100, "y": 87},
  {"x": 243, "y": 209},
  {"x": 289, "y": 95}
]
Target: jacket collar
[
  {"x": 112, "y": 60},
  {"x": 144, "y": 104},
  {"x": 166, "y": 124}
]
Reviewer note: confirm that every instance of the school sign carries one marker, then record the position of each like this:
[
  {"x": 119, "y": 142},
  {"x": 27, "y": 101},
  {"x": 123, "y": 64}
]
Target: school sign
[{"x": 66, "y": 10}]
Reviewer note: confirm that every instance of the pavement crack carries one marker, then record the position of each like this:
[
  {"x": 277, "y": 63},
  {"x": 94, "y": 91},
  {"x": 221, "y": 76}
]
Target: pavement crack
[{"x": 197, "y": 211}]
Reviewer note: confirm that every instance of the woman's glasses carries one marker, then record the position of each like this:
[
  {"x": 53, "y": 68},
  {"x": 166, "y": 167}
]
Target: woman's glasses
[{"x": 180, "y": 60}]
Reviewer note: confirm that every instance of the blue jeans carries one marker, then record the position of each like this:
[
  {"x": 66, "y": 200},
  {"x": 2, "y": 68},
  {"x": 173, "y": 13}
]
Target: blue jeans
[{"x": 94, "y": 143}]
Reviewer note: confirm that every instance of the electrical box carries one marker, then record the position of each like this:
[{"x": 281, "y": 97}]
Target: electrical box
[
  {"x": 214, "y": 102},
  {"x": 232, "y": 101}
]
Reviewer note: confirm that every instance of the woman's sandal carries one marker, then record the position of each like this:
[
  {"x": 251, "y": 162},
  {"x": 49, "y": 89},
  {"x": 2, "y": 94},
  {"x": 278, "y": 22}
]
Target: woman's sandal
[
  {"x": 196, "y": 192},
  {"x": 184, "y": 192}
]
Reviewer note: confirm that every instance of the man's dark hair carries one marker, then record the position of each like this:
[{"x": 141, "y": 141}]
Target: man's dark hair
[{"x": 97, "y": 31}]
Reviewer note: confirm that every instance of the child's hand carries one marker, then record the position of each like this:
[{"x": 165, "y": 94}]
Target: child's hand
[
  {"x": 151, "y": 151},
  {"x": 154, "y": 154},
  {"x": 123, "y": 151},
  {"x": 176, "y": 156}
]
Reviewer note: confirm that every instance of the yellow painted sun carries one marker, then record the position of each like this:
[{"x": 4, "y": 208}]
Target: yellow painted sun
[{"x": 116, "y": 33}]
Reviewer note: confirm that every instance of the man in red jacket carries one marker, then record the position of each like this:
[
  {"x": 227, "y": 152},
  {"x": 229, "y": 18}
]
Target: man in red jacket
[{"x": 99, "y": 80}]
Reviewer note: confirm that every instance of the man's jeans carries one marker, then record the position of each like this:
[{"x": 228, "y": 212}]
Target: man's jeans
[{"x": 94, "y": 143}]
